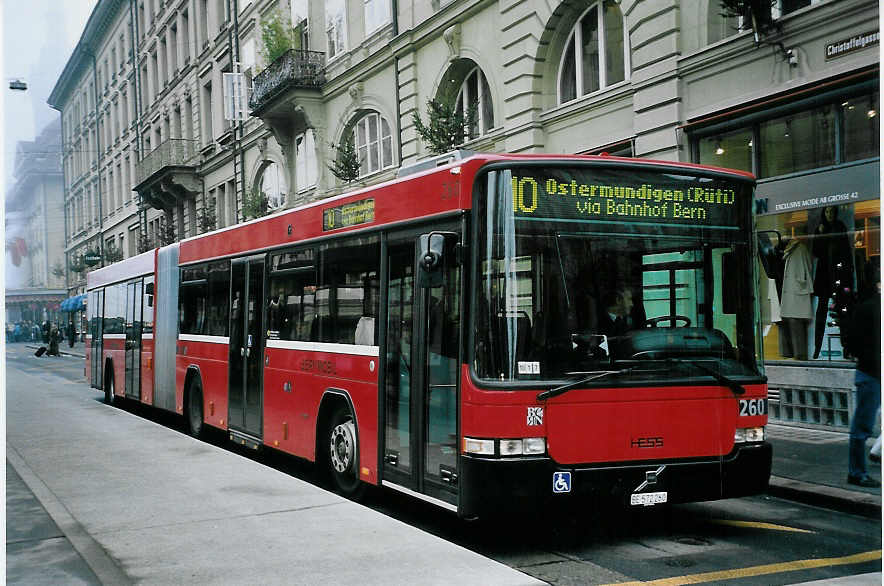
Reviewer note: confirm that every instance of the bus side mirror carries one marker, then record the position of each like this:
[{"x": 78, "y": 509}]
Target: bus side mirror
[{"x": 432, "y": 246}]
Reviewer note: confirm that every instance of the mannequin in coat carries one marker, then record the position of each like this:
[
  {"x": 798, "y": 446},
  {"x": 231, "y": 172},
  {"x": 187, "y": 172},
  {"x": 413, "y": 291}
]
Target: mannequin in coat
[{"x": 796, "y": 305}]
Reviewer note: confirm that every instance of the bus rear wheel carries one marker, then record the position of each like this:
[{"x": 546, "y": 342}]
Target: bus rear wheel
[
  {"x": 342, "y": 454},
  {"x": 195, "y": 409}
]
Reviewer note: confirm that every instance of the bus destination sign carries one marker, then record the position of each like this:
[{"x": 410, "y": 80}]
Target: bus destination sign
[
  {"x": 623, "y": 196},
  {"x": 347, "y": 215}
]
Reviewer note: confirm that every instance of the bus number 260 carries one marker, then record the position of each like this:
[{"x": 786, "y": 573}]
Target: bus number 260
[{"x": 749, "y": 407}]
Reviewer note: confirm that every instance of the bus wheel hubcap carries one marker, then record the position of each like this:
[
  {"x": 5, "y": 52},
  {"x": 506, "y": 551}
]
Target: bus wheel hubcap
[{"x": 342, "y": 446}]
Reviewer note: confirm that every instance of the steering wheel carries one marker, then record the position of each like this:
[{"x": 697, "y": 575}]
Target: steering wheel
[{"x": 672, "y": 319}]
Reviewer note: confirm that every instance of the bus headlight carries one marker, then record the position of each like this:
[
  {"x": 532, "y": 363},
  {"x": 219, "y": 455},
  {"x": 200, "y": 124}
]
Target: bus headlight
[
  {"x": 529, "y": 446},
  {"x": 748, "y": 434},
  {"x": 483, "y": 447}
]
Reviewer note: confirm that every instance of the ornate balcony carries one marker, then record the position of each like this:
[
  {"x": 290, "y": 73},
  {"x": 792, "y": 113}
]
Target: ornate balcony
[
  {"x": 168, "y": 173},
  {"x": 295, "y": 69}
]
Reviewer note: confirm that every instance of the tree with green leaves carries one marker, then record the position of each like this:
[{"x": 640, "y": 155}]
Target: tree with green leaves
[
  {"x": 207, "y": 218},
  {"x": 446, "y": 128},
  {"x": 112, "y": 254},
  {"x": 166, "y": 232},
  {"x": 345, "y": 164},
  {"x": 255, "y": 204},
  {"x": 277, "y": 37}
]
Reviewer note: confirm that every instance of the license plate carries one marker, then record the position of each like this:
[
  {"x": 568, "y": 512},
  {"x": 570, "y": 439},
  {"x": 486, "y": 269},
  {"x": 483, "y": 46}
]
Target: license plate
[{"x": 647, "y": 499}]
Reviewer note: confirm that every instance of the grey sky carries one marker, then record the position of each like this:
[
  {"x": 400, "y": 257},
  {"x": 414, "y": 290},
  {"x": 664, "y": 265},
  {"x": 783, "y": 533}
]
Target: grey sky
[{"x": 38, "y": 38}]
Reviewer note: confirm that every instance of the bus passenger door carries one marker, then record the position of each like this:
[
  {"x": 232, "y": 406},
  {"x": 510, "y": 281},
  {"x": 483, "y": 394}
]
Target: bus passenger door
[
  {"x": 96, "y": 329},
  {"x": 246, "y": 348},
  {"x": 421, "y": 372},
  {"x": 133, "y": 339}
]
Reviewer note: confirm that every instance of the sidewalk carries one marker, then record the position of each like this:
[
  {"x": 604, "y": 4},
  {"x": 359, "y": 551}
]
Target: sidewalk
[{"x": 810, "y": 466}]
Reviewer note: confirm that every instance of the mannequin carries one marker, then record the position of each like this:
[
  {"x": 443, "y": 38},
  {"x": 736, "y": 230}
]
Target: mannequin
[
  {"x": 831, "y": 247},
  {"x": 796, "y": 306}
]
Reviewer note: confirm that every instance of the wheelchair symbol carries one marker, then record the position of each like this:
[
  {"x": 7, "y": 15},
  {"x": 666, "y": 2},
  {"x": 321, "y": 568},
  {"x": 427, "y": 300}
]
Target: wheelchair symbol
[{"x": 561, "y": 482}]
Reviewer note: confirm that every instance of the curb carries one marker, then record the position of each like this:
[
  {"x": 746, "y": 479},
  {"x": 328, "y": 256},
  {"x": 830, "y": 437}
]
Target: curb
[{"x": 829, "y": 497}]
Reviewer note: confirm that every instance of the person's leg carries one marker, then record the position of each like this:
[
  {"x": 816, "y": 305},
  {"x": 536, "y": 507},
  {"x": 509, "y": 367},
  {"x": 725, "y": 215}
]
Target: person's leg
[{"x": 868, "y": 399}]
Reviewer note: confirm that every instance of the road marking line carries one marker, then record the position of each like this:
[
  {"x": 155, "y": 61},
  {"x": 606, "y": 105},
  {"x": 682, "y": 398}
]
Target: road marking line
[
  {"x": 759, "y": 525},
  {"x": 736, "y": 573}
]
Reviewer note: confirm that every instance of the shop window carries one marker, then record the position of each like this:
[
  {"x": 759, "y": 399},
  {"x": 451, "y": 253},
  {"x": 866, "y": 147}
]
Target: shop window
[
  {"x": 841, "y": 245},
  {"x": 861, "y": 127},
  {"x": 801, "y": 141},
  {"x": 595, "y": 54},
  {"x": 731, "y": 150}
]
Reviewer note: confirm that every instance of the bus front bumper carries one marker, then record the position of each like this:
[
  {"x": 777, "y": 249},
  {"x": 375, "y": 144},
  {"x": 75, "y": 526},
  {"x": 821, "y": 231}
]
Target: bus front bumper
[{"x": 490, "y": 486}]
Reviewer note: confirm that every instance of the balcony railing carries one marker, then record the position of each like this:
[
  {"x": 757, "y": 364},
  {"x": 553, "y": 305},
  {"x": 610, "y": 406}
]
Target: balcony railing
[
  {"x": 175, "y": 152},
  {"x": 293, "y": 69}
]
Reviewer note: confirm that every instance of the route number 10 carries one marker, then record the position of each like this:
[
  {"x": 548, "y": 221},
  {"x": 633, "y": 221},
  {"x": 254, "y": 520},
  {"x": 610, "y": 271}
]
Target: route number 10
[{"x": 519, "y": 204}]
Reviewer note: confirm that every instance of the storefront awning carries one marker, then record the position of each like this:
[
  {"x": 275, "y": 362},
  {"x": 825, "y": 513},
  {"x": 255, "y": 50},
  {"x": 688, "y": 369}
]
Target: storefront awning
[{"x": 75, "y": 303}]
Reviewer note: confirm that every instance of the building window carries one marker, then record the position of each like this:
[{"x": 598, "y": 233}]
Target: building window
[
  {"x": 335, "y": 29},
  {"x": 377, "y": 14},
  {"x": 807, "y": 138},
  {"x": 861, "y": 127},
  {"x": 733, "y": 150},
  {"x": 475, "y": 94},
  {"x": 718, "y": 25},
  {"x": 306, "y": 170},
  {"x": 374, "y": 143},
  {"x": 595, "y": 55},
  {"x": 273, "y": 185},
  {"x": 802, "y": 141}
]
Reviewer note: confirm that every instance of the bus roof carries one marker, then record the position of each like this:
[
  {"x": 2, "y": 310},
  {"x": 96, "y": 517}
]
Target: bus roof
[{"x": 134, "y": 266}]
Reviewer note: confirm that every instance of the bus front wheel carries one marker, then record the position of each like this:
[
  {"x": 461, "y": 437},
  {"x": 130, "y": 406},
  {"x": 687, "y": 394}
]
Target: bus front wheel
[{"x": 342, "y": 453}]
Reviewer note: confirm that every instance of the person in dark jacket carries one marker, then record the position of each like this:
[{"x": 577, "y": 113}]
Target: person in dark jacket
[
  {"x": 863, "y": 340},
  {"x": 53, "y": 340}
]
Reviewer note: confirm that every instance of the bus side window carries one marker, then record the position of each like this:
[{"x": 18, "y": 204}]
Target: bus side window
[
  {"x": 346, "y": 304},
  {"x": 219, "y": 298}
]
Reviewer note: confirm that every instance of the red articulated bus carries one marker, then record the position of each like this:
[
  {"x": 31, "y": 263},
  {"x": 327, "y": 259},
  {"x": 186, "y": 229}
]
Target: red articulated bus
[{"x": 499, "y": 332}]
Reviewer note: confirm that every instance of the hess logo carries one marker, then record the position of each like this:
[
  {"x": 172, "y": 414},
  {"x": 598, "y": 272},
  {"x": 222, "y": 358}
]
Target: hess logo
[{"x": 646, "y": 442}]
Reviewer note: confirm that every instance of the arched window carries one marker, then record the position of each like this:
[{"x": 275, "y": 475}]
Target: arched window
[
  {"x": 273, "y": 185},
  {"x": 475, "y": 94},
  {"x": 374, "y": 143},
  {"x": 595, "y": 54}
]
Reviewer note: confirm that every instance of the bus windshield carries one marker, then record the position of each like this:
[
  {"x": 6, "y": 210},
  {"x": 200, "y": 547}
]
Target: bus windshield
[{"x": 584, "y": 270}]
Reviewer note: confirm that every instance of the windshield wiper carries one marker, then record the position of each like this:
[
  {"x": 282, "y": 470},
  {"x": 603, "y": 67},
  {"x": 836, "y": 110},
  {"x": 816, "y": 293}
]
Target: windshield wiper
[
  {"x": 555, "y": 392},
  {"x": 735, "y": 387}
]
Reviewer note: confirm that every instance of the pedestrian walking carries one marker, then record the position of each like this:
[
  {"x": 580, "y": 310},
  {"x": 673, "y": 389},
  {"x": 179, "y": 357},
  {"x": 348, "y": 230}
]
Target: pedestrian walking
[
  {"x": 53, "y": 341},
  {"x": 863, "y": 340}
]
